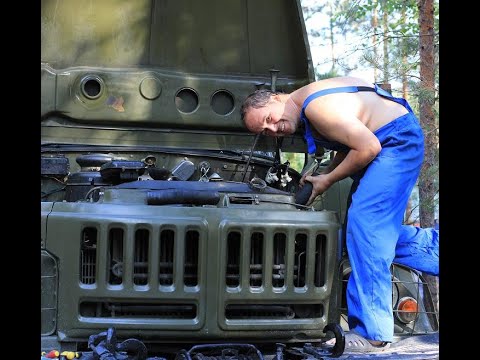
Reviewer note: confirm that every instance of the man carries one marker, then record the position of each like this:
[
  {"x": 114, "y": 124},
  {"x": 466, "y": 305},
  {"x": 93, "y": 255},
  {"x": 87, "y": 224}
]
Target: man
[{"x": 379, "y": 143}]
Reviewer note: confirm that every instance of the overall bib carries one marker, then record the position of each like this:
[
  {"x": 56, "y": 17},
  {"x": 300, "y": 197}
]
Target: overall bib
[{"x": 375, "y": 235}]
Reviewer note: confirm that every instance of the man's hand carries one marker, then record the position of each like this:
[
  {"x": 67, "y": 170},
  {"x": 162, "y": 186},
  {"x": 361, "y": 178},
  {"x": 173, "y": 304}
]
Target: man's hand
[
  {"x": 320, "y": 184},
  {"x": 302, "y": 179}
]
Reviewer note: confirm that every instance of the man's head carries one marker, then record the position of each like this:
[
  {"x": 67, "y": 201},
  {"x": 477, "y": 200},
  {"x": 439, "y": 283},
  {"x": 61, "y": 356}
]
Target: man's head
[
  {"x": 256, "y": 100},
  {"x": 265, "y": 111}
]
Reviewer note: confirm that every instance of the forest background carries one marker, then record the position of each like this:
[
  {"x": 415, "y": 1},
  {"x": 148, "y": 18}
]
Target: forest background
[{"x": 395, "y": 43}]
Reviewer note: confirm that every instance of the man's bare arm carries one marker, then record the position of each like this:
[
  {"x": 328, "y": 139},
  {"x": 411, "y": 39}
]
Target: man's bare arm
[
  {"x": 342, "y": 126},
  {"x": 337, "y": 159}
]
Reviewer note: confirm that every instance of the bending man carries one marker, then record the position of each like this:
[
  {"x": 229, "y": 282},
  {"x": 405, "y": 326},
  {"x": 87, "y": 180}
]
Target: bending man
[{"x": 380, "y": 144}]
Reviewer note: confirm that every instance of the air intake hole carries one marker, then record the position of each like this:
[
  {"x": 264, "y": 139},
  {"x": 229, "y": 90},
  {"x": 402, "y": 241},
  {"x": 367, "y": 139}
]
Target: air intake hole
[
  {"x": 300, "y": 260},
  {"x": 115, "y": 257},
  {"x": 191, "y": 259},
  {"x": 167, "y": 240},
  {"x": 91, "y": 87},
  {"x": 186, "y": 100},
  {"x": 256, "y": 260},
  {"x": 88, "y": 256},
  {"x": 140, "y": 265},
  {"x": 233, "y": 259},
  {"x": 278, "y": 271},
  {"x": 222, "y": 102}
]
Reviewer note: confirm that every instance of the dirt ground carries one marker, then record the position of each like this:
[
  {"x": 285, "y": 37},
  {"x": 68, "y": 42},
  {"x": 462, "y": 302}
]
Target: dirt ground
[{"x": 417, "y": 347}]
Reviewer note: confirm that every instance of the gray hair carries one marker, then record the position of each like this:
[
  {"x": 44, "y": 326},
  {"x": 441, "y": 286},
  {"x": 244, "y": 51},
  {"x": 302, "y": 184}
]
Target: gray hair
[{"x": 257, "y": 99}]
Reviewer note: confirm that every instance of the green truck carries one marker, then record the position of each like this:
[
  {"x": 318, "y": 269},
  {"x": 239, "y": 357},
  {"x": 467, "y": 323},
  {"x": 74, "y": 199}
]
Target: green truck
[{"x": 163, "y": 218}]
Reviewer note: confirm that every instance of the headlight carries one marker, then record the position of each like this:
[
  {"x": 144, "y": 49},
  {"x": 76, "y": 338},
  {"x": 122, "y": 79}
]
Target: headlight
[{"x": 407, "y": 309}]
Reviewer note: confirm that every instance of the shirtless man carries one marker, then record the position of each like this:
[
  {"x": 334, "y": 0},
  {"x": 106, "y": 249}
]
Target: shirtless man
[{"x": 378, "y": 140}]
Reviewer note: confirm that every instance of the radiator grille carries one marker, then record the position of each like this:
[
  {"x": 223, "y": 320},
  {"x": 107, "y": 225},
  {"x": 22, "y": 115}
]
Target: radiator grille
[
  {"x": 162, "y": 271},
  {"x": 259, "y": 252},
  {"x": 142, "y": 261}
]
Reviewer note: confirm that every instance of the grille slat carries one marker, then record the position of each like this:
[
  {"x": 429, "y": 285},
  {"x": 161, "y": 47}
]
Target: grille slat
[
  {"x": 320, "y": 260},
  {"x": 268, "y": 260},
  {"x": 245, "y": 247},
  {"x": 129, "y": 256},
  {"x": 179, "y": 256},
  {"x": 153, "y": 279},
  {"x": 310, "y": 270}
]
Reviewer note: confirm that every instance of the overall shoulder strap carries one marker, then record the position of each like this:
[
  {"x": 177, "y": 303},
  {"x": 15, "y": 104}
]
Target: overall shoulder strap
[
  {"x": 308, "y": 132},
  {"x": 347, "y": 89},
  {"x": 389, "y": 96}
]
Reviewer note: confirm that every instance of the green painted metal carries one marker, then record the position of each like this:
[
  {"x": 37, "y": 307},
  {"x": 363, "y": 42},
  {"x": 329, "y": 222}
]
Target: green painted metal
[
  {"x": 68, "y": 219},
  {"x": 174, "y": 66},
  {"x": 165, "y": 79}
]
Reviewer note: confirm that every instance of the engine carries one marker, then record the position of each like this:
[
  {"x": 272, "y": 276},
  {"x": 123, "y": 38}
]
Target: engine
[{"x": 184, "y": 249}]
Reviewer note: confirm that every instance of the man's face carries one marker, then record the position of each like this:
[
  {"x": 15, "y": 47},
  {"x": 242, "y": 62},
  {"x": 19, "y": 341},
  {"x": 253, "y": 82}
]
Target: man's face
[{"x": 269, "y": 119}]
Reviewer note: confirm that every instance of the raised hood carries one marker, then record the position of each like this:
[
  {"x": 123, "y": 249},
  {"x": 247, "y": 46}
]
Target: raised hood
[{"x": 168, "y": 72}]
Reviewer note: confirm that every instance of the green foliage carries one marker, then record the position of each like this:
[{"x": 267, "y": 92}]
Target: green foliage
[
  {"x": 352, "y": 23},
  {"x": 296, "y": 160},
  {"x": 349, "y": 19},
  {"x": 327, "y": 75}
]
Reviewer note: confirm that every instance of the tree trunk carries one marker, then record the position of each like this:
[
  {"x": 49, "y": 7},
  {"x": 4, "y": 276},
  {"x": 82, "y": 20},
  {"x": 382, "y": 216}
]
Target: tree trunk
[
  {"x": 386, "y": 60},
  {"x": 404, "y": 54},
  {"x": 332, "y": 41},
  {"x": 426, "y": 186},
  {"x": 374, "y": 40},
  {"x": 403, "y": 46}
]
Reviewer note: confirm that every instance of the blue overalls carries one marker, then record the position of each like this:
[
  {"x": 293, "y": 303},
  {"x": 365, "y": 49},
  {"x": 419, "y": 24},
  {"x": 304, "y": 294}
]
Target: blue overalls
[{"x": 375, "y": 236}]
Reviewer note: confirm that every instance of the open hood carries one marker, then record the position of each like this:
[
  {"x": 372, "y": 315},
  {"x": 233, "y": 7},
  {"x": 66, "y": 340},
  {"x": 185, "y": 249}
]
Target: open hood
[{"x": 166, "y": 73}]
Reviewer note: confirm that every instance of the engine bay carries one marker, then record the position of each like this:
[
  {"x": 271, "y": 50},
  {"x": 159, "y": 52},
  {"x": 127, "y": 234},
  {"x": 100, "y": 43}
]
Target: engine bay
[{"x": 188, "y": 177}]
